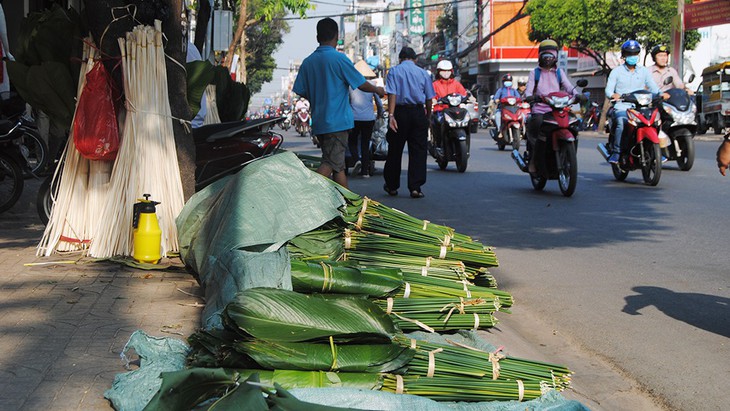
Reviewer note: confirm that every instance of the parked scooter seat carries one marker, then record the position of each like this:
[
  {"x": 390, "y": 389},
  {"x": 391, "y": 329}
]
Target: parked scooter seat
[{"x": 212, "y": 132}]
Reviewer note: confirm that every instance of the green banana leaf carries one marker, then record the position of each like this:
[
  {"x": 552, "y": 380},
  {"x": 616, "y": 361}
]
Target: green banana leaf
[
  {"x": 199, "y": 75},
  {"x": 328, "y": 277},
  {"x": 290, "y": 379},
  {"x": 47, "y": 86},
  {"x": 286, "y": 316},
  {"x": 326, "y": 357},
  {"x": 282, "y": 400},
  {"x": 231, "y": 97},
  {"x": 213, "y": 348},
  {"x": 183, "y": 390},
  {"x": 316, "y": 245}
]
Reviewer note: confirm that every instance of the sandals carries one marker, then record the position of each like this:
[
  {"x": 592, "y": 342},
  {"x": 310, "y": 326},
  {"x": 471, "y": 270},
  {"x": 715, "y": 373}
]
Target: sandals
[
  {"x": 389, "y": 191},
  {"x": 416, "y": 194}
]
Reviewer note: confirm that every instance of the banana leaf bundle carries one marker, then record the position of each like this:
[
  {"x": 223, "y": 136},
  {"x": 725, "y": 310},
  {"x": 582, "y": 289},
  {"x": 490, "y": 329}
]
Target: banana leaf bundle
[
  {"x": 443, "y": 322},
  {"x": 369, "y": 242},
  {"x": 287, "y": 316},
  {"x": 440, "y": 314},
  {"x": 369, "y": 358},
  {"x": 436, "y": 359},
  {"x": 324, "y": 243},
  {"x": 214, "y": 348},
  {"x": 328, "y": 277},
  {"x": 458, "y": 388},
  {"x": 428, "y": 266},
  {"x": 418, "y": 286},
  {"x": 317, "y": 379},
  {"x": 311, "y": 162}
]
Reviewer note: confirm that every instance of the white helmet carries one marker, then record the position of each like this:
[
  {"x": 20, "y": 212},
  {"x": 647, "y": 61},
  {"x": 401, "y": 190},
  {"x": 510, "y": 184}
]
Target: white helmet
[{"x": 444, "y": 65}]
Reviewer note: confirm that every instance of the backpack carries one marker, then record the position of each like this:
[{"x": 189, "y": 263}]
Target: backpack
[{"x": 537, "y": 78}]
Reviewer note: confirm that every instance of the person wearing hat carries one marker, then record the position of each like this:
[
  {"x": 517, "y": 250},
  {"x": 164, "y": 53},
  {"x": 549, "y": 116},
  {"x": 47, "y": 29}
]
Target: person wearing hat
[
  {"x": 410, "y": 92},
  {"x": 661, "y": 71},
  {"x": 325, "y": 79},
  {"x": 546, "y": 78},
  {"x": 362, "y": 110}
]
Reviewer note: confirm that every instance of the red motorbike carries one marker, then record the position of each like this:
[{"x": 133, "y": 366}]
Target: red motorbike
[
  {"x": 302, "y": 126},
  {"x": 513, "y": 123},
  {"x": 560, "y": 162},
  {"x": 640, "y": 139}
]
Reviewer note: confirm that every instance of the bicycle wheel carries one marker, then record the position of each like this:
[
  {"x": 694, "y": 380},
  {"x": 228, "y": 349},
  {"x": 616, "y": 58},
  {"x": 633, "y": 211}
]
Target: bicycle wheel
[
  {"x": 35, "y": 150},
  {"x": 11, "y": 182}
]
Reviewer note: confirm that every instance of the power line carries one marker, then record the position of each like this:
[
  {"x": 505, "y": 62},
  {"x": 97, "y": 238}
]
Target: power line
[{"x": 374, "y": 11}]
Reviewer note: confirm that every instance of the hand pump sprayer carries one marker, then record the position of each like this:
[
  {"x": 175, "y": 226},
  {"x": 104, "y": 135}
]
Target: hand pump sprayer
[{"x": 147, "y": 233}]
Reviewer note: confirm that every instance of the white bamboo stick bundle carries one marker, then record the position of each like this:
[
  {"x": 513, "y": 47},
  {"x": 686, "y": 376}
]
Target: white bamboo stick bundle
[
  {"x": 147, "y": 159},
  {"x": 211, "y": 106}
]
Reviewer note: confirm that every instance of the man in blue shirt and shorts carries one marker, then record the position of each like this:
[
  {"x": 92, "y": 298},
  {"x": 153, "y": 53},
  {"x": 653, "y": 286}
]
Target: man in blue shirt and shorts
[{"x": 325, "y": 79}]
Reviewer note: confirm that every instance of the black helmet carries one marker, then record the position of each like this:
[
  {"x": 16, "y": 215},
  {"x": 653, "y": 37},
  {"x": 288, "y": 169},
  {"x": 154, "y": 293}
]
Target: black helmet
[
  {"x": 630, "y": 47},
  {"x": 659, "y": 48},
  {"x": 507, "y": 77},
  {"x": 521, "y": 83}
]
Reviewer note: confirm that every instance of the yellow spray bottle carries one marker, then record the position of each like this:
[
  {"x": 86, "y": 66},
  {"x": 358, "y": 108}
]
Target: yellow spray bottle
[{"x": 147, "y": 233}]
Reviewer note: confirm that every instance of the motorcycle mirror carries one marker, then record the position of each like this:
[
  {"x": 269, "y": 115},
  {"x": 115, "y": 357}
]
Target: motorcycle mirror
[
  {"x": 582, "y": 82},
  {"x": 691, "y": 78},
  {"x": 668, "y": 80}
]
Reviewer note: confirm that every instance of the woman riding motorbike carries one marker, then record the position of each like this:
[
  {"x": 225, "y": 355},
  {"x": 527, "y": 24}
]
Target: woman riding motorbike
[{"x": 444, "y": 85}]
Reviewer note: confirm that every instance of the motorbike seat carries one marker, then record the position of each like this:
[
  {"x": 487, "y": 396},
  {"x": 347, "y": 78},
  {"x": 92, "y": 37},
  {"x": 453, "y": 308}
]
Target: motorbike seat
[{"x": 213, "y": 132}]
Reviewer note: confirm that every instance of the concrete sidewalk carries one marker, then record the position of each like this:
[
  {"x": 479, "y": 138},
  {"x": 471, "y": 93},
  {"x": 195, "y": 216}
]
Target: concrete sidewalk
[{"x": 62, "y": 326}]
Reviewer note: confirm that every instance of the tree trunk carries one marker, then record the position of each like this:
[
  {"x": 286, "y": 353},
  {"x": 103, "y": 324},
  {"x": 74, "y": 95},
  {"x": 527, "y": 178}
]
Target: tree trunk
[
  {"x": 242, "y": 60},
  {"x": 100, "y": 22}
]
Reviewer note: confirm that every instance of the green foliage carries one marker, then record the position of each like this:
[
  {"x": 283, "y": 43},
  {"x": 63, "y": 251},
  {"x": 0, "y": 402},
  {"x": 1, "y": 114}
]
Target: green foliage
[
  {"x": 603, "y": 25},
  {"x": 448, "y": 22},
  {"x": 199, "y": 75},
  {"x": 262, "y": 40},
  {"x": 231, "y": 97}
]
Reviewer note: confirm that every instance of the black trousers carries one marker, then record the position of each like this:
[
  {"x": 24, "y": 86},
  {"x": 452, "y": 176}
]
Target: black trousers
[
  {"x": 359, "y": 143},
  {"x": 412, "y": 129}
]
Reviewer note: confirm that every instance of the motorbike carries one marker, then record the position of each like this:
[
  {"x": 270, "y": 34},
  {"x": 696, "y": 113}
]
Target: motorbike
[
  {"x": 590, "y": 119},
  {"x": 641, "y": 135},
  {"x": 560, "y": 162},
  {"x": 450, "y": 133},
  {"x": 286, "y": 122},
  {"x": 485, "y": 120},
  {"x": 302, "y": 123},
  {"x": 220, "y": 150},
  {"x": 513, "y": 123},
  {"x": 678, "y": 123}
]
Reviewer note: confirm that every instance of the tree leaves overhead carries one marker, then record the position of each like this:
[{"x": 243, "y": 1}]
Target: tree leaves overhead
[{"x": 603, "y": 25}]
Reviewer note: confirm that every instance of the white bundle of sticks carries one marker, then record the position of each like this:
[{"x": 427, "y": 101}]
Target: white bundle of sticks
[{"x": 147, "y": 159}]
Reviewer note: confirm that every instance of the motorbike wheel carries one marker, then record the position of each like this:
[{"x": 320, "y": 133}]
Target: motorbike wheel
[
  {"x": 538, "y": 182},
  {"x": 35, "y": 150},
  {"x": 687, "y": 159},
  {"x": 501, "y": 144},
  {"x": 717, "y": 125},
  {"x": 618, "y": 173},
  {"x": 568, "y": 169},
  {"x": 442, "y": 163},
  {"x": 516, "y": 137},
  {"x": 462, "y": 156},
  {"x": 651, "y": 167},
  {"x": 11, "y": 182},
  {"x": 44, "y": 201}
]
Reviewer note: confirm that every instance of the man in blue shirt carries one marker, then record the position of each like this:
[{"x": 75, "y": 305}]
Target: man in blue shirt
[
  {"x": 409, "y": 88},
  {"x": 325, "y": 79},
  {"x": 624, "y": 79}
]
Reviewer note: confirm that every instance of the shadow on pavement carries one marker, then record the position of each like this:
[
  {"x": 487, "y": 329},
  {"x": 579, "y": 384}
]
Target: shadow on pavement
[{"x": 705, "y": 311}]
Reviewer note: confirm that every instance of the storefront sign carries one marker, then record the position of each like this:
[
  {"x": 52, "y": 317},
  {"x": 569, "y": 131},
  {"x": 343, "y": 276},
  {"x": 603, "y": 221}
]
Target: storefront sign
[
  {"x": 706, "y": 13},
  {"x": 416, "y": 21}
]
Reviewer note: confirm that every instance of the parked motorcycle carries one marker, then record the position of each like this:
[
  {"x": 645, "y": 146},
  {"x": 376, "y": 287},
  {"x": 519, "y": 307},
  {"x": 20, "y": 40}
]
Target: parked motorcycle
[
  {"x": 450, "y": 134},
  {"x": 641, "y": 135},
  {"x": 220, "y": 150},
  {"x": 513, "y": 123},
  {"x": 560, "y": 162},
  {"x": 678, "y": 123}
]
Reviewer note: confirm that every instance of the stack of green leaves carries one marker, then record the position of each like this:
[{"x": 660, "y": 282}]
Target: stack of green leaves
[
  {"x": 329, "y": 277},
  {"x": 435, "y": 359},
  {"x": 370, "y": 242},
  {"x": 440, "y": 314},
  {"x": 368, "y": 358},
  {"x": 458, "y": 388},
  {"x": 418, "y": 286},
  {"x": 324, "y": 243}
]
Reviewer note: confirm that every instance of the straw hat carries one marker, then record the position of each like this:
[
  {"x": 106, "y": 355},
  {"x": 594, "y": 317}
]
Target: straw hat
[{"x": 364, "y": 69}]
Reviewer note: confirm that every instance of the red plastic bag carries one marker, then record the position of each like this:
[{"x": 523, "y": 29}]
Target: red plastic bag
[{"x": 96, "y": 134}]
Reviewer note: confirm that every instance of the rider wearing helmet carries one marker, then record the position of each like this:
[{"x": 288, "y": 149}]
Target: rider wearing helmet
[
  {"x": 521, "y": 87},
  {"x": 623, "y": 79},
  {"x": 505, "y": 91},
  {"x": 444, "y": 85},
  {"x": 546, "y": 78},
  {"x": 661, "y": 71}
]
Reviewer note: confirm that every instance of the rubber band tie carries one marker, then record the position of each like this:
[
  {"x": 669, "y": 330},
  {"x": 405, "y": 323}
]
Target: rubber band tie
[
  {"x": 390, "y": 305},
  {"x": 348, "y": 239},
  {"x": 326, "y": 273},
  {"x": 398, "y": 384},
  {"x": 424, "y": 271},
  {"x": 418, "y": 323},
  {"x": 476, "y": 321},
  {"x": 334, "y": 354},
  {"x": 413, "y": 343},
  {"x": 521, "y": 390},
  {"x": 361, "y": 214},
  {"x": 407, "y": 291},
  {"x": 425, "y": 224},
  {"x": 442, "y": 253},
  {"x": 432, "y": 361}
]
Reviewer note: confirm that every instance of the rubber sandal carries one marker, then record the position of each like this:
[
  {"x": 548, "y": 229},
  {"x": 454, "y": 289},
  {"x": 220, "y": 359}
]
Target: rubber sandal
[
  {"x": 389, "y": 191},
  {"x": 416, "y": 194}
]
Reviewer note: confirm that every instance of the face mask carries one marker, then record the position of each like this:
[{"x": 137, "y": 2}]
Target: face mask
[
  {"x": 445, "y": 74},
  {"x": 508, "y": 84},
  {"x": 632, "y": 60}
]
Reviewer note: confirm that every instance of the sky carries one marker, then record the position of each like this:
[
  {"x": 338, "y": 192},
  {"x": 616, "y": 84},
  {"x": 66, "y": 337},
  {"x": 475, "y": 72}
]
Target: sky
[{"x": 300, "y": 42}]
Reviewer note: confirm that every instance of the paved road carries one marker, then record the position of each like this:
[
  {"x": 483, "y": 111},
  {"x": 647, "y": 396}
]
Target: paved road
[{"x": 634, "y": 276}]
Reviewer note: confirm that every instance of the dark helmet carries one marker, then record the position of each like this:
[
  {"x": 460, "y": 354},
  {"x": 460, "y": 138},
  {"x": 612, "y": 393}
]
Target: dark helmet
[
  {"x": 630, "y": 47},
  {"x": 659, "y": 48},
  {"x": 507, "y": 77},
  {"x": 547, "y": 45},
  {"x": 521, "y": 83}
]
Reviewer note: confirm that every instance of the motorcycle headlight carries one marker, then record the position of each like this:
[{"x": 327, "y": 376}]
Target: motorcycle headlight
[
  {"x": 454, "y": 100},
  {"x": 511, "y": 101},
  {"x": 643, "y": 99},
  {"x": 559, "y": 102}
]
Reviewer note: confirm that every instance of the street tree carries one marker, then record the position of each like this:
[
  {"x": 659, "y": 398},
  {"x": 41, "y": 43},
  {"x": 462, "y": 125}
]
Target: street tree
[
  {"x": 595, "y": 27},
  {"x": 262, "y": 41}
]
